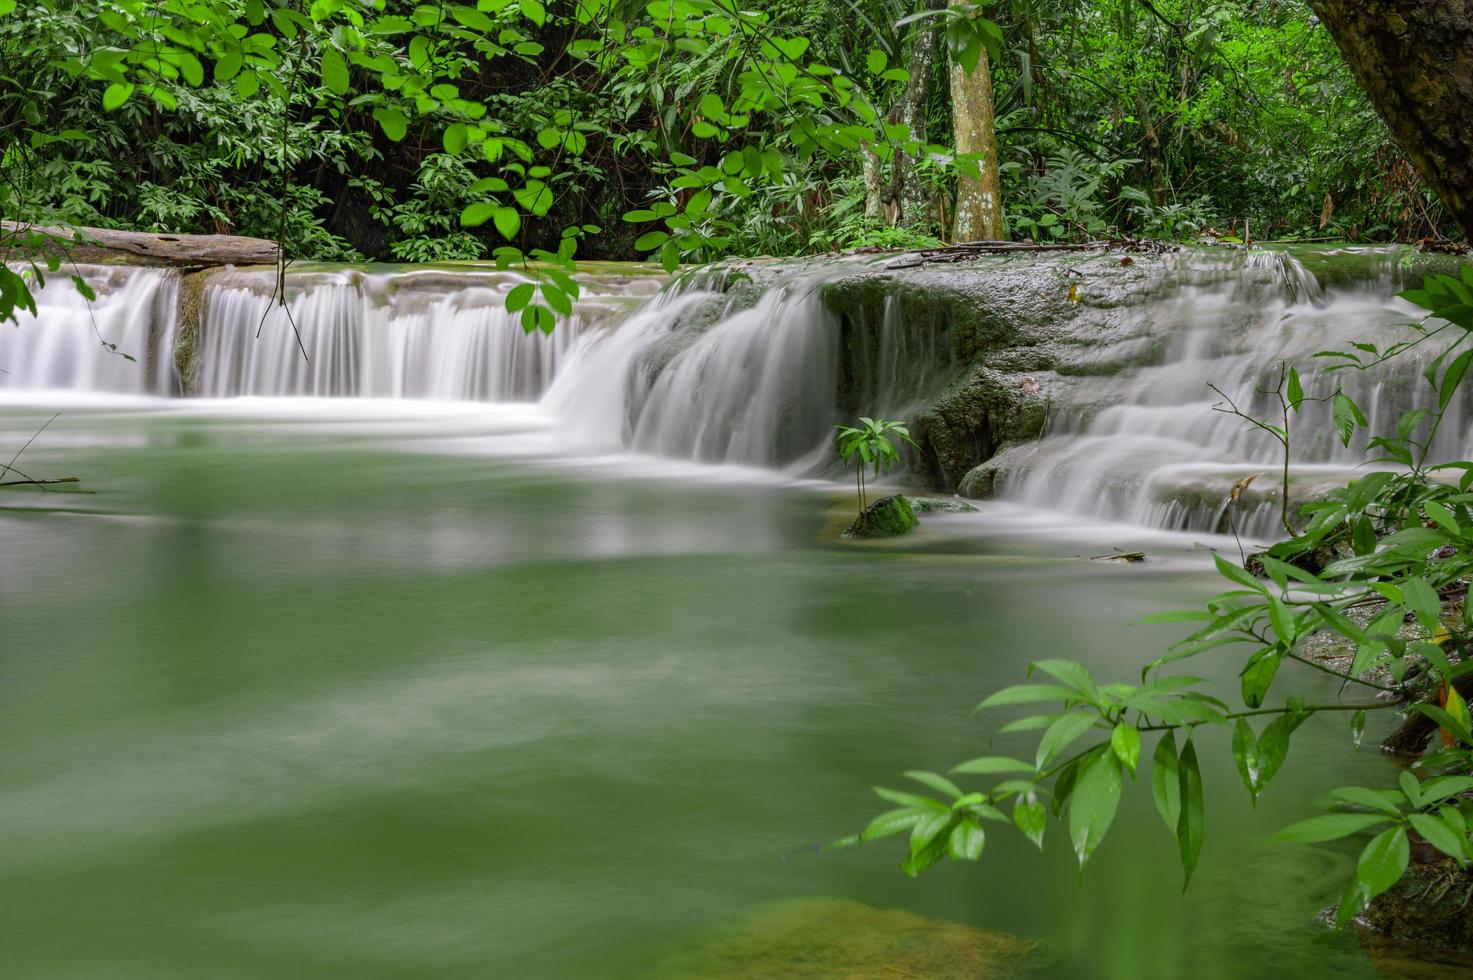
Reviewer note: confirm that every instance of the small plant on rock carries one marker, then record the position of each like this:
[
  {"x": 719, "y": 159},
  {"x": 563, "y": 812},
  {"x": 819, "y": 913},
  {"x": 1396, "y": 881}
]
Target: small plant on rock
[{"x": 871, "y": 444}]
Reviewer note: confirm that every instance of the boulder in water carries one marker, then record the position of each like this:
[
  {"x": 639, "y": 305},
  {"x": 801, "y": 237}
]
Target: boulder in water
[
  {"x": 884, "y": 518},
  {"x": 827, "y": 938},
  {"x": 940, "y": 505}
]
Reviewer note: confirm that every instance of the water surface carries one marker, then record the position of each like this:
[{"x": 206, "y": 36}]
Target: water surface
[{"x": 389, "y": 692}]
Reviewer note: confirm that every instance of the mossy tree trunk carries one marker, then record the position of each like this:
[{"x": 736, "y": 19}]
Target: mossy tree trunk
[
  {"x": 897, "y": 194},
  {"x": 1414, "y": 58},
  {"x": 978, "y": 199}
]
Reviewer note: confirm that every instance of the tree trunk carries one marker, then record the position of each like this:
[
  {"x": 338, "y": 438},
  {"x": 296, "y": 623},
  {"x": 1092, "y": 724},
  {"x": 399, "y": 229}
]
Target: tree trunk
[
  {"x": 910, "y": 187},
  {"x": 978, "y": 199},
  {"x": 874, "y": 184},
  {"x": 1414, "y": 58}
]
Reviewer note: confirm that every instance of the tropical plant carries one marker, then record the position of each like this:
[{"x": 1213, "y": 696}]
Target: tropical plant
[
  {"x": 870, "y": 444},
  {"x": 1379, "y": 570}
]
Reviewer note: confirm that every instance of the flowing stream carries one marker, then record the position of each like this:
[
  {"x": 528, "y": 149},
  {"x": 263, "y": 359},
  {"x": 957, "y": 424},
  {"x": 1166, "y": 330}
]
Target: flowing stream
[{"x": 448, "y": 650}]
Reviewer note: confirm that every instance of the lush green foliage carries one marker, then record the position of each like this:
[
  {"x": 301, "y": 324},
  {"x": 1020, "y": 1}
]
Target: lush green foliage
[
  {"x": 689, "y": 130},
  {"x": 1405, "y": 537},
  {"x": 870, "y": 444}
]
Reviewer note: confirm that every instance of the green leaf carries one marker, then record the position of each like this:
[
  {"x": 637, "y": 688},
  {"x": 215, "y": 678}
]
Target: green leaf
[
  {"x": 967, "y": 839},
  {"x": 455, "y": 137},
  {"x": 876, "y": 61},
  {"x": 1126, "y": 741},
  {"x": 1381, "y": 865},
  {"x": 1357, "y": 727},
  {"x": 1027, "y": 693},
  {"x": 392, "y": 121},
  {"x": 334, "y": 72},
  {"x": 1189, "y": 825},
  {"x": 519, "y": 297},
  {"x": 1031, "y": 818},
  {"x": 116, "y": 94},
  {"x": 1238, "y": 574},
  {"x": 1437, "y": 833},
  {"x": 992, "y": 764},
  {"x": 1453, "y": 378},
  {"x": 1166, "y": 780},
  {"x": 1361, "y": 796},
  {"x": 1063, "y": 733},
  {"x": 1347, "y": 417},
  {"x": 651, "y": 240},
  {"x": 508, "y": 222},
  {"x": 1093, "y": 805},
  {"x": 893, "y": 822},
  {"x": 1331, "y": 826},
  {"x": 1258, "y": 676},
  {"x": 1422, "y": 600},
  {"x": 1069, "y": 673},
  {"x": 1245, "y": 755},
  {"x": 477, "y": 214},
  {"x": 533, "y": 11},
  {"x": 1296, "y": 390},
  {"x": 937, "y": 782},
  {"x": 228, "y": 66}
]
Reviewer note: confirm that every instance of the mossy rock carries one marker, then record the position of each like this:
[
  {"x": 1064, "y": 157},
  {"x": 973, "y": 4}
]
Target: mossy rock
[
  {"x": 940, "y": 505},
  {"x": 1426, "y": 918},
  {"x": 834, "y": 939},
  {"x": 885, "y": 518}
]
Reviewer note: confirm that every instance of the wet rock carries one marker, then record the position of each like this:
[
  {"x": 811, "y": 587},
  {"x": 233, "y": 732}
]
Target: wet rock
[
  {"x": 1425, "y": 919},
  {"x": 940, "y": 505},
  {"x": 833, "y": 939},
  {"x": 884, "y": 518}
]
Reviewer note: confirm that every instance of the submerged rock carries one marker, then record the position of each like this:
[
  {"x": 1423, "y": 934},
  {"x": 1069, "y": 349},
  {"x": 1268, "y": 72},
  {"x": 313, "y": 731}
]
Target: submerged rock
[
  {"x": 828, "y": 939},
  {"x": 884, "y": 518}
]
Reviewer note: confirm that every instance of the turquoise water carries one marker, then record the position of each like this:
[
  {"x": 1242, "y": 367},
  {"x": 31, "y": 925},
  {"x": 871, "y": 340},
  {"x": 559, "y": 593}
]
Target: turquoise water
[{"x": 354, "y": 693}]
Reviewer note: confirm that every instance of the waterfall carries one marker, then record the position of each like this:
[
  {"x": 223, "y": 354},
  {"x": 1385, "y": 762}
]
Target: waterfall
[
  {"x": 713, "y": 374},
  {"x": 120, "y": 342},
  {"x": 753, "y": 364},
  {"x": 1153, "y": 445},
  {"x": 349, "y": 333}
]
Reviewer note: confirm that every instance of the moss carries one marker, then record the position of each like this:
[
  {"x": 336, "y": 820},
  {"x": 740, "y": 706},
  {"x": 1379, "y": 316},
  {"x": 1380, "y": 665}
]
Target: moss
[
  {"x": 885, "y": 518},
  {"x": 1426, "y": 913},
  {"x": 822, "y": 939},
  {"x": 186, "y": 333},
  {"x": 940, "y": 505},
  {"x": 977, "y": 415}
]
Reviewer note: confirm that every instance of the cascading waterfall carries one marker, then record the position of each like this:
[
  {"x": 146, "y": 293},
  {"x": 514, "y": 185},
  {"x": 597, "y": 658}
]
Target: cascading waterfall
[
  {"x": 713, "y": 375},
  {"x": 120, "y": 342},
  {"x": 753, "y": 365},
  {"x": 1154, "y": 446},
  {"x": 398, "y": 335}
]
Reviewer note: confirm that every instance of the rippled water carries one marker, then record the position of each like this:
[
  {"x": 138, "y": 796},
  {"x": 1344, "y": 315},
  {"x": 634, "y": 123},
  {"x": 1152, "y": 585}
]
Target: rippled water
[{"x": 382, "y": 691}]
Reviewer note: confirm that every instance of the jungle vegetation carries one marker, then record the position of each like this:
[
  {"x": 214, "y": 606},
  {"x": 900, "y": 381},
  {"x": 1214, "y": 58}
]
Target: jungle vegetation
[
  {"x": 416, "y": 132},
  {"x": 689, "y": 130}
]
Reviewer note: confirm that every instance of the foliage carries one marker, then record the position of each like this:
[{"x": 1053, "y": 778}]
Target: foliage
[
  {"x": 870, "y": 444},
  {"x": 1406, "y": 536}
]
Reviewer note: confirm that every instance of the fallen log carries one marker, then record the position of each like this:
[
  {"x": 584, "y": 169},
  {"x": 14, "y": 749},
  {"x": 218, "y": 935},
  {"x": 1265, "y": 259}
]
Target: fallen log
[{"x": 102, "y": 244}]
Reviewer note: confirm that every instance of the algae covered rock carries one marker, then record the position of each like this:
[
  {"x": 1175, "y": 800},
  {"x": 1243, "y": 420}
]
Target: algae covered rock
[
  {"x": 940, "y": 505},
  {"x": 884, "y": 518},
  {"x": 834, "y": 939}
]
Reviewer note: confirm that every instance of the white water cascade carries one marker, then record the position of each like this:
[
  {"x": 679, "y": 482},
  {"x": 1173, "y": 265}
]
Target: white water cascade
[
  {"x": 719, "y": 369},
  {"x": 347, "y": 333},
  {"x": 695, "y": 376},
  {"x": 1152, "y": 445},
  {"x": 109, "y": 344}
]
